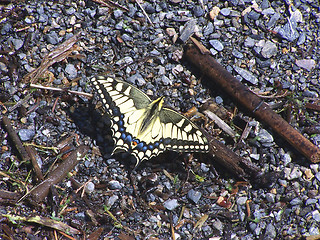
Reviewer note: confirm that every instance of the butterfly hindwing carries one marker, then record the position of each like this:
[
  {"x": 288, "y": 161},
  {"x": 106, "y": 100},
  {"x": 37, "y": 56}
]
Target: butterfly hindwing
[{"x": 144, "y": 127}]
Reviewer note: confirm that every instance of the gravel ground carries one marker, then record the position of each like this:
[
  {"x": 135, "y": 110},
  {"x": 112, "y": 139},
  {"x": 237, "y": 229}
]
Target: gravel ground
[{"x": 271, "y": 46}]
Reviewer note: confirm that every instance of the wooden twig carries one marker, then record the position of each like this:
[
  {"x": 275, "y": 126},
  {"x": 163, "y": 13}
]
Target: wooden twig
[
  {"x": 15, "y": 139},
  {"x": 242, "y": 95},
  {"x": 58, "y": 54},
  {"x": 87, "y": 95},
  {"x": 144, "y": 12},
  {"x": 42, "y": 190},
  {"x": 312, "y": 106},
  {"x": 34, "y": 156},
  {"x": 107, "y": 3}
]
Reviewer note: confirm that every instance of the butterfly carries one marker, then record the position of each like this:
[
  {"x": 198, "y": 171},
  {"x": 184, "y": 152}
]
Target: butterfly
[{"x": 143, "y": 127}]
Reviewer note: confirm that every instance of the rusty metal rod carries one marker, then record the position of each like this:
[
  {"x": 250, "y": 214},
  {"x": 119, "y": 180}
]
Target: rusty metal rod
[{"x": 198, "y": 55}]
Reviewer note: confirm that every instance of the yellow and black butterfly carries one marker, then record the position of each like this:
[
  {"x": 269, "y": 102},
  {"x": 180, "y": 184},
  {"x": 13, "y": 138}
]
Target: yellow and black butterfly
[{"x": 144, "y": 127}]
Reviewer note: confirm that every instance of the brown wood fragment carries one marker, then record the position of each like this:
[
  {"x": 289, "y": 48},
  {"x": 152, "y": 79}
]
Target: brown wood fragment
[
  {"x": 42, "y": 190},
  {"x": 58, "y": 54},
  {"x": 15, "y": 139},
  {"x": 34, "y": 156},
  {"x": 226, "y": 157},
  {"x": 313, "y": 107},
  {"x": 244, "y": 97}
]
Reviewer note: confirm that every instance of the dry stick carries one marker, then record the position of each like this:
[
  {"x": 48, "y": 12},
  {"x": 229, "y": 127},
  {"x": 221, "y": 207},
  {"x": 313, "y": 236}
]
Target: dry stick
[
  {"x": 58, "y": 54},
  {"x": 34, "y": 160},
  {"x": 15, "y": 139},
  {"x": 87, "y": 95},
  {"x": 215, "y": 72},
  {"x": 42, "y": 190}
]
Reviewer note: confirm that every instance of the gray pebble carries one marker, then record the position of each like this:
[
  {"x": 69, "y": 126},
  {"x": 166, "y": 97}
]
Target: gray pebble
[
  {"x": 52, "y": 38},
  {"x": 26, "y": 134},
  {"x": 289, "y": 31},
  {"x": 270, "y": 197},
  {"x": 271, "y": 232},
  {"x": 217, "y": 224},
  {"x": 216, "y": 44},
  {"x": 136, "y": 79},
  {"x": 70, "y": 11},
  {"x": 242, "y": 200},
  {"x": 114, "y": 184},
  {"x": 17, "y": 43},
  {"x": 194, "y": 196},
  {"x": 269, "y": 49},
  {"x": 204, "y": 167},
  {"x": 296, "y": 201},
  {"x": 248, "y": 76},
  {"x": 117, "y": 13},
  {"x": 90, "y": 187},
  {"x": 71, "y": 71},
  {"x": 264, "y": 136},
  {"x": 225, "y": 11},
  {"x": 112, "y": 200},
  {"x": 249, "y": 42},
  {"x": 198, "y": 11},
  {"x": 125, "y": 61},
  {"x": 171, "y": 204}
]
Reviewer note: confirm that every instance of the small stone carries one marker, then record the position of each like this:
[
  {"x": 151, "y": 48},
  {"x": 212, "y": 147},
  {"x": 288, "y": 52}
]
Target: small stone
[
  {"x": 271, "y": 232},
  {"x": 3, "y": 67},
  {"x": 52, "y": 38},
  {"x": 208, "y": 29},
  {"x": 171, "y": 204},
  {"x": 26, "y": 134},
  {"x": 114, "y": 184},
  {"x": 117, "y": 13},
  {"x": 214, "y": 12},
  {"x": 255, "y": 156},
  {"x": 149, "y": 8},
  {"x": 270, "y": 197},
  {"x": 188, "y": 29},
  {"x": 286, "y": 158},
  {"x": 204, "y": 167},
  {"x": 165, "y": 80},
  {"x": 216, "y": 44},
  {"x": 265, "y": 137},
  {"x": 289, "y": 30},
  {"x": 198, "y": 11},
  {"x": 307, "y": 64},
  {"x": 217, "y": 224},
  {"x": 242, "y": 200},
  {"x": 248, "y": 76},
  {"x": 90, "y": 187},
  {"x": 17, "y": 43},
  {"x": 112, "y": 200},
  {"x": 70, "y": 11},
  {"x": 296, "y": 201},
  {"x": 225, "y": 11},
  {"x": 136, "y": 79},
  {"x": 295, "y": 173},
  {"x": 71, "y": 71},
  {"x": 249, "y": 42},
  {"x": 269, "y": 49},
  {"x": 125, "y": 61},
  {"x": 194, "y": 196}
]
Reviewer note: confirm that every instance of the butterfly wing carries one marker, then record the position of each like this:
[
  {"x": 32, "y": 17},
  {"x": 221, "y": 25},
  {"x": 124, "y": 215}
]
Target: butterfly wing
[
  {"x": 129, "y": 108},
  {"x": 180, "y": 134}
]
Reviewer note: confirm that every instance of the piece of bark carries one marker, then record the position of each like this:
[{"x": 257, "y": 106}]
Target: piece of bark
[
  {"x": 58, "y": 54},
  {"x": 34, "y": 156},
  {"x": 242, "y": 95},
  {"x": 15, "y": 139},
  {"x": 42, "y": 190}
]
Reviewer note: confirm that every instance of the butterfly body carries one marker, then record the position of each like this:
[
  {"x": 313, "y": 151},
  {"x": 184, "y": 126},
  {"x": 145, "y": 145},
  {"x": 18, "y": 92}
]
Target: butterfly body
[{"x": 143, "y": 127}]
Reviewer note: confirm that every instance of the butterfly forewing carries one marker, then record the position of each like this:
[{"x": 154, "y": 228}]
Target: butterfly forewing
[{"x": 143, "y": 127}]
